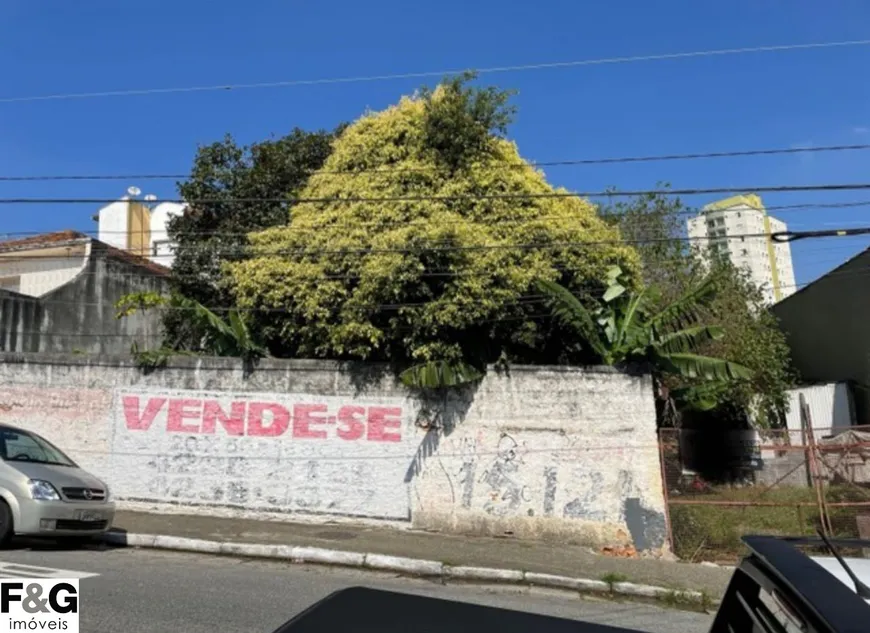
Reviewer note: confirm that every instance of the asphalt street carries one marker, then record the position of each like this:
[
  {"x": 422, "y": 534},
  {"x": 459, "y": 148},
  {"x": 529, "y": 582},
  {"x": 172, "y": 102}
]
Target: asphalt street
[{"x": 148, "y": 591}]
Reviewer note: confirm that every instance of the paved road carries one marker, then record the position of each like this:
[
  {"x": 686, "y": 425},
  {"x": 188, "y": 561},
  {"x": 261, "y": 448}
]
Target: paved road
[{"x": 148, "y": 591}]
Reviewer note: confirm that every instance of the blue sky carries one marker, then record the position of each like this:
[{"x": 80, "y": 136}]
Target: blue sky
[{"x": 781, "y": 99}]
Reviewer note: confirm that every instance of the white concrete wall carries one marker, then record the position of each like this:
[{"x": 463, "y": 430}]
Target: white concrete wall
[
  {"x": 40, "y": 274},
  {"x": 569, "y": 454},
  {"x": 548, "y": 453},
  {"x": 113, "y": 224},
  {"x": 292, "y": 452},
  {"x": 162, "y": 250}
]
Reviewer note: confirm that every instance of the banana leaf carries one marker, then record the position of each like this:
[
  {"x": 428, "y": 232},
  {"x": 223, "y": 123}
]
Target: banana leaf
[{"x": 439, "y": 375}]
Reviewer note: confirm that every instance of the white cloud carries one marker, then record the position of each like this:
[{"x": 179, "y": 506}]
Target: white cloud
[{"x": 861, "y": 130}]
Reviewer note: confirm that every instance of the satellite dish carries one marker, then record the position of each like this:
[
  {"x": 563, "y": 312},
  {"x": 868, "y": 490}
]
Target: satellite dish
[
  {"x": 134, "y": 191},
  {"x": 150, "y": 197}
]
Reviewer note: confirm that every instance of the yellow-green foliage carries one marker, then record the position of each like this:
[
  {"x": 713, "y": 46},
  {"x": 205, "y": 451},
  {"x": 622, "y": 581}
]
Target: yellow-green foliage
[{"x": 329, "y": 284}]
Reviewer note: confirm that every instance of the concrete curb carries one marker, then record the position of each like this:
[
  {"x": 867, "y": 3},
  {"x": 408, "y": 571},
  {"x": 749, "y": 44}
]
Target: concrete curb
[{"x": 410, "y": 566}]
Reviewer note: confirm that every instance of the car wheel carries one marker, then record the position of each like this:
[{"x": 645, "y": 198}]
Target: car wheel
[{"x": 7, "y": 529}]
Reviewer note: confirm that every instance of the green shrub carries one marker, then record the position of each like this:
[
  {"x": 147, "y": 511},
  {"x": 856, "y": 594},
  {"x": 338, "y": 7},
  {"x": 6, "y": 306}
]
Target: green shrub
[{"x": 713, "y": 532}]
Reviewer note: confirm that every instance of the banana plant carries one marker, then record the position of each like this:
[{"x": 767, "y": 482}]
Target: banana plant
[
  {"x": 440, "y": 375},
  {"x": 210, "y": 334},
  {"x": 626, "y": 328}
]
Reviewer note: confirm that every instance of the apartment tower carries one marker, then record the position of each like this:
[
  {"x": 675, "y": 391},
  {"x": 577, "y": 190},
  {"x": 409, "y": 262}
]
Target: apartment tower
[{"x": 739, "y": 229}]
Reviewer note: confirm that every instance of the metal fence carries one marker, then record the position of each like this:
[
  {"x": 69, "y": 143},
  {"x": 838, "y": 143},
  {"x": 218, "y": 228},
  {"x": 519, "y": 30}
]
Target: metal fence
[{"x": 722, "y": 485}]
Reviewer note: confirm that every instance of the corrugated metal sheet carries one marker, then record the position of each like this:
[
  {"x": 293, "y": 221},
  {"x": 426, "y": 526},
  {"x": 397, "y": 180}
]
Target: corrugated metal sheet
[{"x": 830, "y": 406}]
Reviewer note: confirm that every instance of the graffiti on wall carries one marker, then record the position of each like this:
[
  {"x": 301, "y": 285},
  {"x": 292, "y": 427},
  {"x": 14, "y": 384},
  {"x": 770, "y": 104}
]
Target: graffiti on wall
[
  {"x": 504, "y": 476},
  {"x": 298, "y": 453},
  {"x": 505, "y": 490}
]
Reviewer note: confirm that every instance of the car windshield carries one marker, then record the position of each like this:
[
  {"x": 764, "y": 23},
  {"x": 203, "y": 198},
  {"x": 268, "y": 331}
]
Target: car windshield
[{"x": 21, "y": 446}]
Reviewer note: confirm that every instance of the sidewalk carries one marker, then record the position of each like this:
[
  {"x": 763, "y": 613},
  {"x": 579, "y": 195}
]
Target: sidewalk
[{"x": 548, "y": 558}]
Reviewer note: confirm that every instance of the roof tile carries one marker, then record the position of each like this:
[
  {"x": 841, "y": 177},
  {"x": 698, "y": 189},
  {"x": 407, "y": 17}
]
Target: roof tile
[
  {"x": 42, "y": 240},
  {"x": 49, "y": 239}
]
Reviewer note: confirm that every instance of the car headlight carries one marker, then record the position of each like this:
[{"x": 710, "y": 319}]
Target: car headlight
[{"x": 43, "y": 490}]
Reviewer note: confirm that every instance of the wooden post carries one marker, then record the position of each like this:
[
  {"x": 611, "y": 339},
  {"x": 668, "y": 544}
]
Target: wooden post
[{"x": 814, "y": 469}]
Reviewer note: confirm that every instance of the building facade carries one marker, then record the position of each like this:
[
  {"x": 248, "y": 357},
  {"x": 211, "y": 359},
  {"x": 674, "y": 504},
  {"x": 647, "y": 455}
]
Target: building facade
[
  {"x": 139, "y": 227},
  {"x": 58, "y": 293},
  {"x": 739, "y": 229},
  {"x": 828, "y": 338}
]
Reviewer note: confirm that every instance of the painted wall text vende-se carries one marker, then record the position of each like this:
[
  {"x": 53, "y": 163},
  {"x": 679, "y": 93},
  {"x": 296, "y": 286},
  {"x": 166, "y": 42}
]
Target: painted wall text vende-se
[{"x": 265, "y": 419}]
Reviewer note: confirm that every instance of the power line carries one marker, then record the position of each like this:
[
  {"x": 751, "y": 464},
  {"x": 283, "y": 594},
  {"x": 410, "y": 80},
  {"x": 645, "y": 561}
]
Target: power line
[
  {"x": 434, "y": 73},
  {"x": 520, "y": 302},
  {"x": 260, "y": 252},
  {"x": 494, "y": 196},
  {"x": 277, "y": 252},
  {"x": 524, "y": 165},
  {"x": 429, "y": 272},
  {"x": 100, "y": 335},
  {"x": 483, "y": 221}
]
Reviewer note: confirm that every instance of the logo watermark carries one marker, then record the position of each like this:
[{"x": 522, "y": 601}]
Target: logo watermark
[{"x": 39, "y": 604}]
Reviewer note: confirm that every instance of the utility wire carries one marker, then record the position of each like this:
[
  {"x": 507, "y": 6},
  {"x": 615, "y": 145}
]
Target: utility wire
[
  {"x": 483, "y": 221},
  {"x": 435, "y": 73},
  {"x": 522, "y": 301},
  {"x": 429, "y": 246},
  {"x": 524, "y": 165},
  {"x": 494, "y": 196},
  {"x": 429, "y": 272},
  {"x": 348, "y": 304}
]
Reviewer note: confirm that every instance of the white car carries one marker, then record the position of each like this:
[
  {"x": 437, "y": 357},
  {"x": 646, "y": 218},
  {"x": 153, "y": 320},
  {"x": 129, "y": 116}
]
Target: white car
[{"x": 44, "y": 493}]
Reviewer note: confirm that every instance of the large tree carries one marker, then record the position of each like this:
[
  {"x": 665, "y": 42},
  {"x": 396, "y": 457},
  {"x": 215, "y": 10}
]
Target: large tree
[
  {"x": 751, "y": 335},
  {"x": 424, "y": 243},
  {"x": 753, "y": 338},
  {"x": 654, "y": 224},
  {"x": 209, "y": 234}
]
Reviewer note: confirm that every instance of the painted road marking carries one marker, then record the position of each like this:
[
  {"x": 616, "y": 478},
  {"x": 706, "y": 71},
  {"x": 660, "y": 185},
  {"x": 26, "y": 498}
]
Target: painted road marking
[{"x": 14, "y": 570}]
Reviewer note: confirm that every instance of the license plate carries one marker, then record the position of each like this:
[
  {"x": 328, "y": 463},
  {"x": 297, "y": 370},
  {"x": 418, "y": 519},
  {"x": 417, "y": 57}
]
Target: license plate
[{"x": 88, "y": 515}]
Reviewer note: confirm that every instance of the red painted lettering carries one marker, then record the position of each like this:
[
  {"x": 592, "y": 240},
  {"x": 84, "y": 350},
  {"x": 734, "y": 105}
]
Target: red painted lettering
[
  {"x": 181, "y": 410},
  {"x": 381, "y": 419},
  {"x": 351, "y": 422},
  {"x": 136, "y": 422},
  {"x": 234, "y": 423},
  {"x": 279, "y": 422},
  {"x": 302, "y": 421}
]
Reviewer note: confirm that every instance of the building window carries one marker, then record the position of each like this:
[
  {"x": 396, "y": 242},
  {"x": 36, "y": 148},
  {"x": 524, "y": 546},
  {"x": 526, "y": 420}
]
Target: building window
[{"x": 162, "y": 247}]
